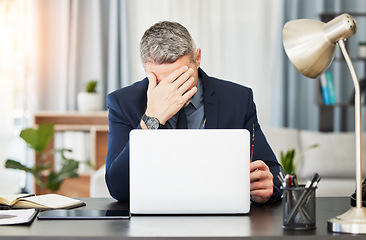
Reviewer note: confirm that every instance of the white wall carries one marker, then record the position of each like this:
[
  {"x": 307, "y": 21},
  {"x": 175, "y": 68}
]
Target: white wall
[{"x": 11, "y": 180}]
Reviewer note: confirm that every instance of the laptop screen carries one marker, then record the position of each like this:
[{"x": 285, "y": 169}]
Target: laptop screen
[{"x": 189, "y": 171}]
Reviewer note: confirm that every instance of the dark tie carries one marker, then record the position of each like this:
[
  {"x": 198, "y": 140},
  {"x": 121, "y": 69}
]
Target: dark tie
[{"x": 182, "y": 119}]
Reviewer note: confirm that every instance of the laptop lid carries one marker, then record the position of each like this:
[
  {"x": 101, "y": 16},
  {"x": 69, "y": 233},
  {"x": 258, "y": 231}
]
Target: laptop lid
[{"x": 189, "y": 171}]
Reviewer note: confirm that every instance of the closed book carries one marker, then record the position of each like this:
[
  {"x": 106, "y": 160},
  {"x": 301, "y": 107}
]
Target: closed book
[
  {"x": 42, "y": 202},
  {"x": 330, "y": 85},
  {"x": 325, "y": 90}
]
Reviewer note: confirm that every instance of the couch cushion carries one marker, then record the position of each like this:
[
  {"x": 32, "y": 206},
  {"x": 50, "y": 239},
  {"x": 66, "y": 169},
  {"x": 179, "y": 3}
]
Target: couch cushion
[
  {"x": 282, "y": 139},
  {"x": 335, "y": 156},
  {"x": 336, "y": 187},
  {"x": 98, "y": 187}
]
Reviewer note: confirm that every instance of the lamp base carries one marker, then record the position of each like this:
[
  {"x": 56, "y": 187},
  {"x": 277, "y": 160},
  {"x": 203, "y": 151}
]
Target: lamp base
[{"x": 352, "y": 221}]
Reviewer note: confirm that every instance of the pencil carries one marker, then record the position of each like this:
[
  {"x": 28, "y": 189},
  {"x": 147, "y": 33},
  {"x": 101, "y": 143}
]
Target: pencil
[{"x": 251, "y": 154}]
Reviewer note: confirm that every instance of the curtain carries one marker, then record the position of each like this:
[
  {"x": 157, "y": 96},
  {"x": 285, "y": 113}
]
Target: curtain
[
  {"x": 75, "y": 41},
  {"x": 296, "y": 96}
]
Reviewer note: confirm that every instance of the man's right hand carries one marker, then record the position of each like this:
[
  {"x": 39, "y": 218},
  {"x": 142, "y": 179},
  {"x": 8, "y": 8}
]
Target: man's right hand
[{"x": 167, "y": 96}]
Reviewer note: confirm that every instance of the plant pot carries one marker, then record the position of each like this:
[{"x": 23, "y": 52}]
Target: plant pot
[{"x": 89, "y": 101}]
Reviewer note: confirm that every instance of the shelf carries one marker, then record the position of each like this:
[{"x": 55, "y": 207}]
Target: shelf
[
  {"x": 326, "y": 17},
  {"x": 340, "y": 105},
  {"x": 96, "y": 123},
  {"x": 84, "y": 128},
  {"x": 72, "y": 118},
  {"x": 336, "y": 117},
  {"x": 353, "y": 59}
]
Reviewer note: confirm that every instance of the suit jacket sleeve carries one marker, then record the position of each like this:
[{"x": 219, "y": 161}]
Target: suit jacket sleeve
[
  {"x": 117, "y": 162},
  {"x": 261, "y": 148}
]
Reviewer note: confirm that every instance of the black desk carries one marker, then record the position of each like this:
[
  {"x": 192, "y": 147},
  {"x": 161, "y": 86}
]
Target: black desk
[{"x": 261, "y": 222}]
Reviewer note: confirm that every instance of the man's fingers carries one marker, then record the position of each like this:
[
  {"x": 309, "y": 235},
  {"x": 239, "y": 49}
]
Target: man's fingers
[
  {"x": 179, "y": 82},
  {"x": 152, "y": 81},
  {"x": 261, "y": 195},
  {"x": 187, "y": 85},
  {"x": 188, "y": 95},
  {"x": 261, "y": 181},
  {"x": 261, "y": 185},
  {"x": 175, "y": 74},
  {"x": 258, "y": 165},
  {"x": 261, "y": 176}
]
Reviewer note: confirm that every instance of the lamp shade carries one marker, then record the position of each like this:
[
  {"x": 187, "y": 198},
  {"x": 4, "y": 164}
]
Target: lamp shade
[{"x": 310, "y": 44}]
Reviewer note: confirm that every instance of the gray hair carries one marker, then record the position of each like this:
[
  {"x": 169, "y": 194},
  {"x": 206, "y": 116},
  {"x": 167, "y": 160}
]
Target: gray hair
[{"x": 166, "y": 42}]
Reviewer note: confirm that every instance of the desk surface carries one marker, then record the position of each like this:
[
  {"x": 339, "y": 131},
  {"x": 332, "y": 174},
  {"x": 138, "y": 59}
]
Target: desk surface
[{"x": 261, "y": 222}]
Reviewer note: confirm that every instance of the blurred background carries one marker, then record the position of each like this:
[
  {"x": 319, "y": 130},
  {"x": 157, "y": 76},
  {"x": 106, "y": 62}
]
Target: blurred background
[{"x": 49, "y": 50}]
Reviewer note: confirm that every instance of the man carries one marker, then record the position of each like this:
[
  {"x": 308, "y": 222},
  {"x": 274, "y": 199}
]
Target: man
[{"x": 175, "y": 81}]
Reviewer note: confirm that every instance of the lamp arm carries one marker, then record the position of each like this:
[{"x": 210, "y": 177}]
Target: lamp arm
[{"x": 358, "y": 128}]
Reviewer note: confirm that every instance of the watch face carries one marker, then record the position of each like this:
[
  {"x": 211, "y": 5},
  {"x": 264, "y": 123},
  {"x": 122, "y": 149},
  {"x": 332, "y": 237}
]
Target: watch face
[{"x": 152, "y": 123}]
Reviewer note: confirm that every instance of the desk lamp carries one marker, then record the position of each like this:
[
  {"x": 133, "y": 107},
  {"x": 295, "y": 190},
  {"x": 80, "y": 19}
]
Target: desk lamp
[{"x": 310, "y": 45}]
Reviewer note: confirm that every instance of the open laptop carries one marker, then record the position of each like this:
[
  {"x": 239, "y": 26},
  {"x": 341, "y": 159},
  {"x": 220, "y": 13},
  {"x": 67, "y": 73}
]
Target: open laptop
[{"x": 189, "y": 171}]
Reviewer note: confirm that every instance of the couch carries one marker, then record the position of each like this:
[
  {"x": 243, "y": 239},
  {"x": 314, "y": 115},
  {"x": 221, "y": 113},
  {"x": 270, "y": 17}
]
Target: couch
[{"x": 334, "y": 160}]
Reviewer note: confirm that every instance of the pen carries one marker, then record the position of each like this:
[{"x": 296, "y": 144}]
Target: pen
[
  {"x": 204, "y": 123},
  {"x": 282, "y": 180},
  {"x": 309, "y": 188},
  {"x": 6, "y": 216},
  {"x": 288, "y": 179},
  {"x": 29, "y": 195},
  {"x": 251, "y": 155},
  {"x": 294, "y": 180}
]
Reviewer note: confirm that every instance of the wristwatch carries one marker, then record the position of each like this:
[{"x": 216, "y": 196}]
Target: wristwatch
[{"x": 151, "y": 122}]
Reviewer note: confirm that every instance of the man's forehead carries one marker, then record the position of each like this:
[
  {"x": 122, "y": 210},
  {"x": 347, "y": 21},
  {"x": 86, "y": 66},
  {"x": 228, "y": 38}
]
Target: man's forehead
[{"x": 166, "y": 67}]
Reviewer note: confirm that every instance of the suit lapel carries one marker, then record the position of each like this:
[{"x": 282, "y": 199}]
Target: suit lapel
[{"x": 210, "y": 101}]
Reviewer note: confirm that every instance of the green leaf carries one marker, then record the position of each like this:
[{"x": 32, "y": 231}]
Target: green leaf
[
  {"x": 305, "y": 151},
  {"x": 91, "y": 86},
  {"x": 53, "y": 181},
  {"x": 90, "y": 164},
  {"x": 68, "y": 170},
  {"x": 287, "y": 161},
  {"x": 12, "y": 164},
  {"x": 17, "y": 165},
  {"x": 41, "y": 167},
  {"x": 38, "y": 139}
]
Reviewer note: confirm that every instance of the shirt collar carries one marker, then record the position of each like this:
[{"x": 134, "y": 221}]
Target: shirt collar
[{"x": 197, "y": 98}]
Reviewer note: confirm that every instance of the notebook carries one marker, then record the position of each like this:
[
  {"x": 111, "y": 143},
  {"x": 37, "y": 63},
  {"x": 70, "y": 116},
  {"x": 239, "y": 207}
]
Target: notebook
[
  {"x": 189, "y": 171},
  {"x": 41, "y": 202}
]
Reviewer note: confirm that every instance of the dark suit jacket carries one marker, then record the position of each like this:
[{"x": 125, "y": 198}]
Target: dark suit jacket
[{"x": 226, "y": 106}]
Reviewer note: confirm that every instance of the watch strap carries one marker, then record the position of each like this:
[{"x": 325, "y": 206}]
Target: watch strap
[{"x": 146, "y": 118}]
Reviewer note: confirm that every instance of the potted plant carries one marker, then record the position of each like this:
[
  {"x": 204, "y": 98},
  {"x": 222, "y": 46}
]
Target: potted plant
[
  {"x": 288, "y": 160},
  {"x": 90, "y": 100},
  {"x": 44, "y": 172}
]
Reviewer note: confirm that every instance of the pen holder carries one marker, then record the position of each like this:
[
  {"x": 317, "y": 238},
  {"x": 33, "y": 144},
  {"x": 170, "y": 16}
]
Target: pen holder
[{"x": 299, "y": 208}]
